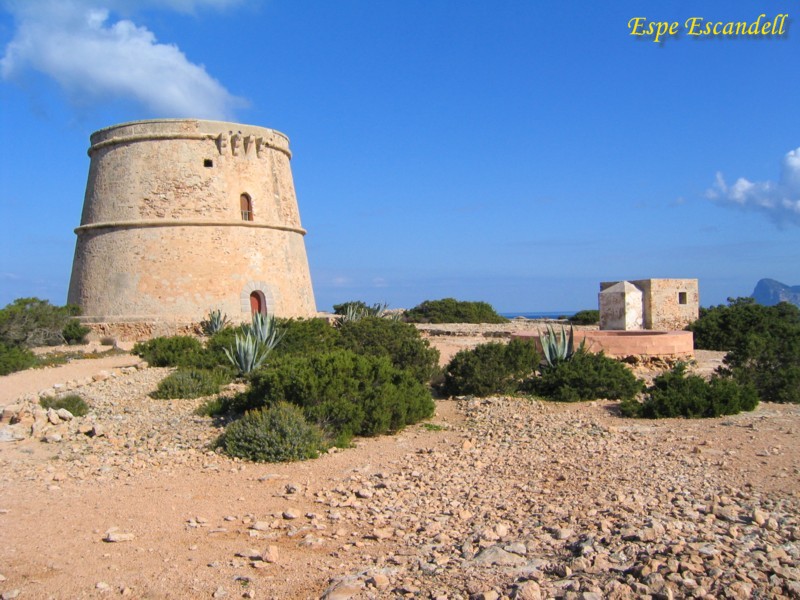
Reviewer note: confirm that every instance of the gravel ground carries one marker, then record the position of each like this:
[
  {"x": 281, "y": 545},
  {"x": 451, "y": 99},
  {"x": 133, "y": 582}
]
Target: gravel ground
[{"x": 495, "y": 498}]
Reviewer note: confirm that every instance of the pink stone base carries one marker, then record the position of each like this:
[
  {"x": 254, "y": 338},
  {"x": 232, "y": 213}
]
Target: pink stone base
[{"x": 631, "y": 343}]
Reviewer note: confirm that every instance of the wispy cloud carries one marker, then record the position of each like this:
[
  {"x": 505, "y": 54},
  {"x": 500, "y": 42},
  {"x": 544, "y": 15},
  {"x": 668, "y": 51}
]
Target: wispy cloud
[
  {"x": 94, "y": 57},
  {"x": 780, "y": 201}
]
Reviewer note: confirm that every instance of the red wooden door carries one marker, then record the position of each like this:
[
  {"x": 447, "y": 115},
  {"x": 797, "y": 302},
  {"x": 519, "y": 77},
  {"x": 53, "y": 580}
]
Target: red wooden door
[{"x": 255, "y": 303}]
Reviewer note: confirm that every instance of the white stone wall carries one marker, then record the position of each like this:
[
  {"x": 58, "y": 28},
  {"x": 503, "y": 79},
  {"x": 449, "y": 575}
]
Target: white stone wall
[{"x": 621, "y": 307}]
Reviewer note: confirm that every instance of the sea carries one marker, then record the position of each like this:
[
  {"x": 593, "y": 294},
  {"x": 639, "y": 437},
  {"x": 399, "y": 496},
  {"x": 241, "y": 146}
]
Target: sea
[{"x": 539, "y": 315}]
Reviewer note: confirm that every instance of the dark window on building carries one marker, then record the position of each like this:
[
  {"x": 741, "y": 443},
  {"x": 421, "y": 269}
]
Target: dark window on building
[
  {"x": 208, "y": 163},
  {"x": 247, "y": 207},
  {"x": 681, "y": 297}
]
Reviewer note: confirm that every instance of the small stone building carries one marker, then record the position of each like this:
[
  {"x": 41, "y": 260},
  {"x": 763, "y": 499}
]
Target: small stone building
[
  {"x": 654, "y": 304},
  {"x": 182, "y": 216}
]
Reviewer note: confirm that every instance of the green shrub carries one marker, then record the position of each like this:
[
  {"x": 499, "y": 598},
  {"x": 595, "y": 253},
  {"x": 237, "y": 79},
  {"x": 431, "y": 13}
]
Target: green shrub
[
  {"x": 343, "y": 392},
  {"x": 585, "y": 317},
  {"x": 306, "y": 336},
  {"x": 34, "y": 322},
  {"x": 15, "y": 358},
  {"x": 587, "y": 376},
  {"x": 192, "y": 383},
  {"x": 763, "y": 344},
  {"x": 344, "y": 307},
  {"x": 400, "y": 342},
  {"x": 175, "y": 351},
  {"x": 273, "y": 434},
  {"x": 727, "y": 327},
  {"x": 450, "y": 310},
  {"x": 301, "y": 336},
  {"x": 73, "y": 403},
  {"x": 674, "y": 394},
  {"x": 492, "y": 368},
  {"x": 74, "y": 332},
  {"x": 770, "y": 363}
]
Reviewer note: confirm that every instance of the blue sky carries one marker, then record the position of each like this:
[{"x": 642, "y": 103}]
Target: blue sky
[{"x": 517, "y": 152}]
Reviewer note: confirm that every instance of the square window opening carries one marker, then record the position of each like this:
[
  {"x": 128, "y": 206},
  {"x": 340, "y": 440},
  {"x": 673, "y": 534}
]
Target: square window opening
[{"x": 208, "y": 163}]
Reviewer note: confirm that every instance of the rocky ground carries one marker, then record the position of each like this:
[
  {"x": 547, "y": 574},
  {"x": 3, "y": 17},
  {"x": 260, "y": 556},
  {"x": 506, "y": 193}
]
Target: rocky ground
[{"x": 497, "y": 497}]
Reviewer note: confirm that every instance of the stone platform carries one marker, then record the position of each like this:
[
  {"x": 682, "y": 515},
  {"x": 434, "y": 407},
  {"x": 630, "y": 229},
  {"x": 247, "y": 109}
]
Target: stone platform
[{"x": 631, "y": 343}]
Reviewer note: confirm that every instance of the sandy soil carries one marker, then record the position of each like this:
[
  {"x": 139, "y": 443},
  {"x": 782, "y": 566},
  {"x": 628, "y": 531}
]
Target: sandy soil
[{"x": 194, "y": 523}]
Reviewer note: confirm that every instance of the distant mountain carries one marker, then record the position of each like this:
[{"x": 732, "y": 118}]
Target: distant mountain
[{"x": 769, "y": 292}]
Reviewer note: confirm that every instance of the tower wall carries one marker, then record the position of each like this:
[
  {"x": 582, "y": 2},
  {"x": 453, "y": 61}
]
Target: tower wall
[{"x": 163, "y": 236}]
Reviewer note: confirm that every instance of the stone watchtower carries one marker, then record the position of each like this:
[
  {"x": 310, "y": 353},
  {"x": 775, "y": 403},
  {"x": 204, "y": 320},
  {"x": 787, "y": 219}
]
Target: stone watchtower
[{"x": 182, "y": 216}]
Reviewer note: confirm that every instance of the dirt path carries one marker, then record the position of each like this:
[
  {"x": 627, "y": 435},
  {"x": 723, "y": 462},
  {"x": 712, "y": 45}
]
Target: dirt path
[{"x": 32, "y": 381}]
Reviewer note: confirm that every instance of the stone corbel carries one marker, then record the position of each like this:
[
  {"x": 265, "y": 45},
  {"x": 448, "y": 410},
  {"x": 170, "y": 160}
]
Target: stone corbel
[{"x": 222, "y": 143}]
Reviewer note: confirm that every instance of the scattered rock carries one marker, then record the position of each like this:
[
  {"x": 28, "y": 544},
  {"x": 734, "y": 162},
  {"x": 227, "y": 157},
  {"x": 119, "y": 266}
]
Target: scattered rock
[
  {"x": 270, "y": 555},
  {"x": 495, "y": 555},
  {"x": 113, "y": 536}
]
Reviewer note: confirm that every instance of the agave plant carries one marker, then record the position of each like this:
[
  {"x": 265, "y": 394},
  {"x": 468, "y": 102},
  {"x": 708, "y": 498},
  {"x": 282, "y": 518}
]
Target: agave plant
[
  {"x": 247, "y": 353},
  {"x": 558, "y": 347},
  {"x": 215, "y": 322},
  {"x": 353, "y": 312},
  {"x": 264, "y": 329}
]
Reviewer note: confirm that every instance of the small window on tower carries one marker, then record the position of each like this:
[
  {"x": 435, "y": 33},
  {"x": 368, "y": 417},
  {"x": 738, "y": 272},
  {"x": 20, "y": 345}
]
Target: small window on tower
[
  {"x": 208, "y": 163},
  {"x": 247, "y": 207},
  {"x": 681, "y": 297}
]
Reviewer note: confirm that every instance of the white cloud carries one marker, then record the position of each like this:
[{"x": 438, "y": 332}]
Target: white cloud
[
  {"x": 779, "y": 201},
  {"x": 95, "y": 58}
]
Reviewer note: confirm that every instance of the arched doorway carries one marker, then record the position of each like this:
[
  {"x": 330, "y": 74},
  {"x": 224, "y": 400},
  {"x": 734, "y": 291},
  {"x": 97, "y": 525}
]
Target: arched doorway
[{"x": 258, "y": 303}]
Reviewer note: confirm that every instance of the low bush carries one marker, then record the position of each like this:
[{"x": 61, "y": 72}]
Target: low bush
[
  {"x": 345, "y": 393},
  {"x": 586, "y": 376},
  {"x": 763, "y": 344},
  {"x": 273, "y": 434},
  {"x": 585, "y": 317},
  {"x": 675, "y": 394},
  {"x": 175, "y": 351},
  {"x": 34, "y": 322},
  {"x": 400, "y": 342},
  {"x": 450, "y": 310},
  {"x": 218, "y": 342},
  {"x": 345, "y": 307},
  {"x": 492, "y": 368},
  {"x": 192, "y": 383},
  {"x": 306, "y": 336},
  {"x": 74, "y": 332},
  {"x": 73, "y": 403},
  {"x": 769, "y": 363},
  {"x": 15, "y": 358},
  {"x": 726, "y": 327}
]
